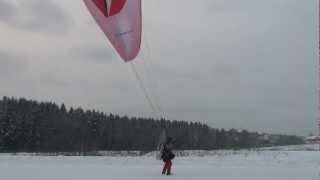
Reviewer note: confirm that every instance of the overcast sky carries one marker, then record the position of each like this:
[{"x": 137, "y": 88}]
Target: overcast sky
[{"x": 245, "y": 64}]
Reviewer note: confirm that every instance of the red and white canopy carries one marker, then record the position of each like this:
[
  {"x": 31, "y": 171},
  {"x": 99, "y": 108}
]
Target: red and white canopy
[{"x": 121, "y": 22}]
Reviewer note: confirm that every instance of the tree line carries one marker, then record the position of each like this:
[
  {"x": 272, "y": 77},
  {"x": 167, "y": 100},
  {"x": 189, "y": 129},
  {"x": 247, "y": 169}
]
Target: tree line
[{"x": 32, "y": 126}]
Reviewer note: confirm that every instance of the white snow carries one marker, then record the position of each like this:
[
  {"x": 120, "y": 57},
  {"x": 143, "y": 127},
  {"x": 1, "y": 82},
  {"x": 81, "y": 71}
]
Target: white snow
[{"x": 212, "y": 165}]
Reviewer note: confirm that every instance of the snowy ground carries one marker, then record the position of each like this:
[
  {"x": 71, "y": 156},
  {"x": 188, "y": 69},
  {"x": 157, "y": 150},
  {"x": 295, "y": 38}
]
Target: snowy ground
[{"x": 220, "y": 165}]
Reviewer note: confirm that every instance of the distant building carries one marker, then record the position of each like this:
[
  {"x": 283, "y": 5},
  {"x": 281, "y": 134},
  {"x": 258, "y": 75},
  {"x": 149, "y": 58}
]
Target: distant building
[{"x": 313, "y": 139}]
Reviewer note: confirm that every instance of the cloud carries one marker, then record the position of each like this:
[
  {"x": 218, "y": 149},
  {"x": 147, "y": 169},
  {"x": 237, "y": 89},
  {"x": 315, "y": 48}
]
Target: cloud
[
  {"x": 7, "y": 11},
  {"x": 89, "y": 54},
  {"x": 11, "y": 63},
  {"x": 35, "y": 16}
]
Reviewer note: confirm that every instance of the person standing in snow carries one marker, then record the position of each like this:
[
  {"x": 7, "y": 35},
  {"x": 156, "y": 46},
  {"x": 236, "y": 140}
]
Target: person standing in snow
[{"x": 167, "y": 156}]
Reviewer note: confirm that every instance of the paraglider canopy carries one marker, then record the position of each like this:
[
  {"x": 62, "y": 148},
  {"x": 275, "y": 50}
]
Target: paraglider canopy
[{"x": 121, "y": 22}]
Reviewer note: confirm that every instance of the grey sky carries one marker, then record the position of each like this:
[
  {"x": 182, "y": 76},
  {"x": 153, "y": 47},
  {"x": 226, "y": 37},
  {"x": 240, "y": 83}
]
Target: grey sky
[{"x": 235, "y": 64}]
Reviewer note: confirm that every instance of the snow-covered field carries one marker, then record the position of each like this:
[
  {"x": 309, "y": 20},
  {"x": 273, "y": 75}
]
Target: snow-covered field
[{"x": 280, "y": 164}]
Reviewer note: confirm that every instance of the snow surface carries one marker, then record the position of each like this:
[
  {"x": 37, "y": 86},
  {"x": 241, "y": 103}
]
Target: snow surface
[{"x": 214, "y": 165}]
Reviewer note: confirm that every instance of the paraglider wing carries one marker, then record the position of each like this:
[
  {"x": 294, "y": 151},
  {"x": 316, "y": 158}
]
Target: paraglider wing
[{"x": 121, "y": 22}]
